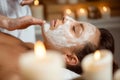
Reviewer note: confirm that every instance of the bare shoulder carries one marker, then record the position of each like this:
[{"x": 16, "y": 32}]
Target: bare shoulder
[
  {"x": 10, "y": 40},
  {"x": 6, "y": 38},
  {"x": 10, "y": 50}
]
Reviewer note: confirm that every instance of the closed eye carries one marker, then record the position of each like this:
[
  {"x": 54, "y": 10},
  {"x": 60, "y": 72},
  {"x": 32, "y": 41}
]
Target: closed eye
[{"x": 77, "y": 29}]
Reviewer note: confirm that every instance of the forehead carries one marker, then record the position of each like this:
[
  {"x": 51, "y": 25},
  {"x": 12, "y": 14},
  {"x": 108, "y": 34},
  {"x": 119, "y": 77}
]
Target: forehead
[{"x": 75, "y": 22}]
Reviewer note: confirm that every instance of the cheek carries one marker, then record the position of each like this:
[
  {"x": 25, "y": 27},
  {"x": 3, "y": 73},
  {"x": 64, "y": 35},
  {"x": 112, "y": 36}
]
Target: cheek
[
  {"x": 87, "y": 35},
  {"x": 59, "y": 38},
  {"x": 90, "y": 32},
  {"x": 56, "y": 37}
]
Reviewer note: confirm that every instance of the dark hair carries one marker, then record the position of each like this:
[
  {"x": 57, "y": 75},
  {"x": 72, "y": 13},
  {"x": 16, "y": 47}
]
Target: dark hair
[{"x": 106, "y": 42}]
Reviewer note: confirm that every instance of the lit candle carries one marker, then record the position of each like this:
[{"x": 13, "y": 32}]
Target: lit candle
[
  {"x": 117, "y": 75},
  {"x": 37, "y": 10},
  {"x": 43, "y": 65},
  {"x": 98, "y": 66},
  {"x": 73, "y": 1},
  {"x": 82, "y": 14},
  {"x": 69, "y": 12},
  {"x": 105, "y": 11}
]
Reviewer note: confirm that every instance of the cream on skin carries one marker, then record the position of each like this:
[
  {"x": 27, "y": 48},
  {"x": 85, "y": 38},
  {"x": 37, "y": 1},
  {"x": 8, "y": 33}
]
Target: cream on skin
[{"x": 66, "y": 32}]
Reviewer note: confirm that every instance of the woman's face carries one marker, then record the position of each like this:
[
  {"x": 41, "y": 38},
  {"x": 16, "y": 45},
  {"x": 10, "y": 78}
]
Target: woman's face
[{"x": 69, "y": 32}]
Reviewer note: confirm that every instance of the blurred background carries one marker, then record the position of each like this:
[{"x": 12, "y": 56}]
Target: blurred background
[{"x": 102, "y": 13}]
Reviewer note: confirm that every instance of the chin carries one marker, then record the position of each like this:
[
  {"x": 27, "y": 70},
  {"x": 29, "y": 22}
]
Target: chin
[{"x": 48, "y": 44}]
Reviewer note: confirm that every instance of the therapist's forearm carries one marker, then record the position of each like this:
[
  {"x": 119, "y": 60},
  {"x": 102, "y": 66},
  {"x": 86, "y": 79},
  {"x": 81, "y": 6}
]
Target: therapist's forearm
[
  {"x": 19, "y": 23},
  {"x": 16, "y": 23}
]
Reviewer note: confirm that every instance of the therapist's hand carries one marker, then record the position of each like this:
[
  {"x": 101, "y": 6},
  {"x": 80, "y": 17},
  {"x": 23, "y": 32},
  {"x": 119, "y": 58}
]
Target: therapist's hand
[
  {"x": 26, "y": 2},
  {"x": 23, "y": 22}
]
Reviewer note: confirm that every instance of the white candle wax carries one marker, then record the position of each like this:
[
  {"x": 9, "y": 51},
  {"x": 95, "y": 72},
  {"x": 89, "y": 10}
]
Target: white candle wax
[
  {"x": 44, "y": 67},
  {"x": 98, "y": 69},
  {"x": 73, "y": 1},
  {"x": 117, "y": 75},
  {"x": 105, "y": 11},
  {"x": 69, "y": 12},
  {"x": 38, "y": 11},
  {"x": 82, "y": 14}
]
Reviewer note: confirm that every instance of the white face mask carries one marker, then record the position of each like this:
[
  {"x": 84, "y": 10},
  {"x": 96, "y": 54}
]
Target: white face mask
[{"x": 63, "y": 37}]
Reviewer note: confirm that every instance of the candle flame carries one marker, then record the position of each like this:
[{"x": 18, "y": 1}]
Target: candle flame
[
  {"x": 82, "y": 10},
  {"x": 68, "y": 11},
  {"x": 39, "y": 50},
  {"x": 36, "y": 2},
  {"x": 97, "y": 55},
  {"x": 105, "y": 8}
]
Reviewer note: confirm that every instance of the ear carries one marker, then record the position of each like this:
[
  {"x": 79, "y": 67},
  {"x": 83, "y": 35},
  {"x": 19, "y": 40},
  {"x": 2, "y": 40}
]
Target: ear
[{"x": 71, "y": 59}]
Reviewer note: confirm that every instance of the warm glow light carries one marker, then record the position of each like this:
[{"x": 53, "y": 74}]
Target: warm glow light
[
  {"x": 36, "y": 2},
  {"x": 39, "y": 50},
  {"x": 68, "y": 11},
  {"x": 97, "y": 55},
  {"x": 82, "y": 10},
  {"x": 105, "y": 8}
]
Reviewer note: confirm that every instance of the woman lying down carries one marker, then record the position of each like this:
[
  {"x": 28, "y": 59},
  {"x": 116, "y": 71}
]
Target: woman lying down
[{"x": 72, "y": 38}]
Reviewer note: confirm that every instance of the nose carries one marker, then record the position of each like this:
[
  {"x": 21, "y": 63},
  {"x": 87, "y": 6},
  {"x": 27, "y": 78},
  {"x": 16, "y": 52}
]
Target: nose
[
  {"x": 56, "y": 23},
  {"x": 81, "y": 24}
]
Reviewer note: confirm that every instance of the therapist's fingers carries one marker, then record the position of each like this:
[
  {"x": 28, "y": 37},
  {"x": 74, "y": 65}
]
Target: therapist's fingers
[
  {"x": 23, "y": 22},
  {"x": 36, "y": 21},
  {"x": 26, "y": 2},
  {"x": 29, "y": 20}
]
